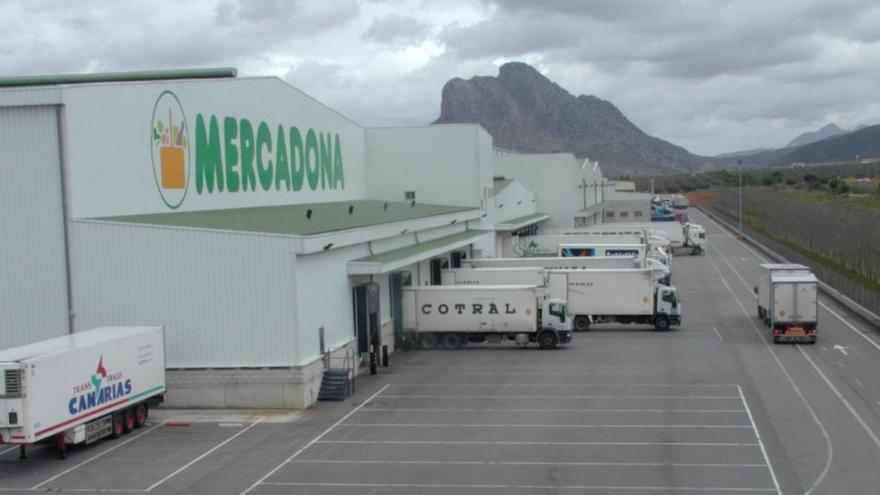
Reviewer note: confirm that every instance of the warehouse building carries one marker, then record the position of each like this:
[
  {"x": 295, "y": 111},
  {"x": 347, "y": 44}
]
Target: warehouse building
[
  {"x": 627, "y": 207},
  {"x": 270, "y": 235}
]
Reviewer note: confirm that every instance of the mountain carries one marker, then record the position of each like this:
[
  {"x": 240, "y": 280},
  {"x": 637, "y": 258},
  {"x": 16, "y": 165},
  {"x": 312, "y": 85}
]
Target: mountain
[
  {"x": 525, "y": 111},
  {"x": 864, "y": 143},
  {"x": 828, "y": 131},
  {"x": 742, "y": 153}
]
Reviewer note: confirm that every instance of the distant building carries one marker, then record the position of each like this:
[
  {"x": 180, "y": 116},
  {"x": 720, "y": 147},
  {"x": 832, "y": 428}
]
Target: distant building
[{"x": 624, "y": 186}]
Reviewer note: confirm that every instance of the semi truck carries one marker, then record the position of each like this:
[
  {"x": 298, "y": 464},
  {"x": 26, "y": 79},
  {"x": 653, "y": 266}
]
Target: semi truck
[
  {"x": 636, "y": 251},
  {"x": 787, "y": 302},
  {"x": 660, "y": 271},
  {"x": 548, "y": 244},
  {"x": 593, "y": 295},
  {"x": 689, "y": 235},
  {"x": 451, "y": 316},
  {"x": 82, "y": 387}
]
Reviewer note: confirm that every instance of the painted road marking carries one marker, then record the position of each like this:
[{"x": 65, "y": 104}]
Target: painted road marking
[
  {"x": 514, "y": 442},
  {"x": 760, "y": 442},
  {"x": 520, "y": 487},
  {"x": 828, "y": 446},
  {"x": 313, "y": 441},
  {"x": 674, "y": 397},
  {"x": 511, "y": 425},
  {"x": 578, "y": 410},
  {"x": 841, "y": 349},
  {"x": 718, "y": 334},
  {"x": 533, "y": 463},
  {"x": 96, "y": 456},
  {"x": 206, "y": 454},
  {"x": 602, "y": 385}
]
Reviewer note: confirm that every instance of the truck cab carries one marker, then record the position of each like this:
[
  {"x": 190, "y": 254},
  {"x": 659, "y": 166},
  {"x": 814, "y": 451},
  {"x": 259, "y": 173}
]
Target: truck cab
[
  {"x": 695, "y": 236},
  {"x": 667, "y": 307},
  {"x": 555, "y": 315}
]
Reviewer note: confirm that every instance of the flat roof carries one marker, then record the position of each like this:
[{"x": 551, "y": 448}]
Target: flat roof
[
  {"x": 302, "y": 219},
  {"x": 401, "y": 257},
  {"x": 520, "y": 222}
]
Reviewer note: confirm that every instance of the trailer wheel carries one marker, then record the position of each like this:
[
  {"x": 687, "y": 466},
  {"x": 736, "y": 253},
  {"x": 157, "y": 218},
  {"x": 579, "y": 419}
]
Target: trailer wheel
[
  {"x": 697, "y": 250},
  {"x": 118, "y": 424},
  {"x": 140, "y": 415},
  {"x": 452, "y": 341},
  {"x": 547, "y": 340},
  {"x": 129, "y": 419},
  {"x": 581, "y": 323},
  {"x": 428, "y": 341},
  {"x": 661, "y": 323}
]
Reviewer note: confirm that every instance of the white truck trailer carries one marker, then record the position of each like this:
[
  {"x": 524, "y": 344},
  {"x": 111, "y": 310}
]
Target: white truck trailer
[
  {"x": 593, "y": 296},
  {"x": 81, "y": 387},
  {"x": 451, "y": 316},
  {"x": 660, "y": 271},
  {"x": 617, "y": 295},
  {"x": 787, "y": 302},
  {"x": 682, "y": 237},
  {"x": 635, "y": 251}
]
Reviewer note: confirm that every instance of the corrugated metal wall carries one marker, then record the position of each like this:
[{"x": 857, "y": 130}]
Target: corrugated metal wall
[
  {"x": 226, "y": 300},
  {"x": 33, "y": 279}
]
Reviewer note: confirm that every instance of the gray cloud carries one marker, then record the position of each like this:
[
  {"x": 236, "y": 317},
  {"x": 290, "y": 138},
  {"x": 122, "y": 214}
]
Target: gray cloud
[{"x": 396, "y": 28}]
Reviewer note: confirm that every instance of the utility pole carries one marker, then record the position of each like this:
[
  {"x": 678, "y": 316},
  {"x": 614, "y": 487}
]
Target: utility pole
[{"x": 740, "y": 196}]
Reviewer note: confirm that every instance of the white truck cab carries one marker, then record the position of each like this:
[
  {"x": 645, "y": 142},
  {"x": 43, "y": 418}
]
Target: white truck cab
[
  {"x": 668, "y": 304},
  {"x": 695, "y": 237}
]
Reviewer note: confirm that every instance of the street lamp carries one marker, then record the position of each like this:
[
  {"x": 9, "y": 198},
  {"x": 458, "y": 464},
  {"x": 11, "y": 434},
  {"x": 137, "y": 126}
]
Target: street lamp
[{"x": 740, "y": 196}]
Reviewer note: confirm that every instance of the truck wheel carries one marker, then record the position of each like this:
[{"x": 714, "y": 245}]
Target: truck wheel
[
  {"x": 581, "y": 323},
  {"x": 428, "y": 341},
  {"x": 140, "y": 415},
  {"x": 118, "y": 424},
  {"x": 452, "y": 341},
  {"x": 697, "y": 250},
  {"x": 760, "y": 312},
  {"x": 661, "y": 323},
  {"x": 128, "y": 419},
  {"x": 547, "y": 340}
]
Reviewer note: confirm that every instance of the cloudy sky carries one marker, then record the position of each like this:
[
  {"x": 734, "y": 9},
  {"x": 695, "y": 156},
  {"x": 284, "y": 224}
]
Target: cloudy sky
[{"x": 711, "y": 75}]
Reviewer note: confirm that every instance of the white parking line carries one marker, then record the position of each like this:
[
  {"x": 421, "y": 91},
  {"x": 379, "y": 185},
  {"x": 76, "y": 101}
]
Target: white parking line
[
  {"x": 9, "y": 450},
  {"x": 521, "y": 487},
  {"x": 471, "y": 425},
  {"x": 578, "y": 410},
  {"x": 534, "y": 463},
  {"x": 313, "y": 441},
  {"x": 567, "y": 396},
  {"x": 598, "y": 385},
  {"x": 206, "y": 454},
  {"x": 760, "y": 442},
  {"x": 96, "y": 456},
  {"x": 513, "y": 442},
  {"x": 718, "y": 334}
]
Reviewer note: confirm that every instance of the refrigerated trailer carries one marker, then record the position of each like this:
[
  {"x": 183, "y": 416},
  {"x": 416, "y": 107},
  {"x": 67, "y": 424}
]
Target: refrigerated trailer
[
  {"x": 660, "y": 271},
  {"x": 527, "y": 275},
  {"x": 688, "y": 237},
  {"x": 81, "y": 387},
  {"x": 788, "y": 302},
  {"x": 451, "y": 316}
]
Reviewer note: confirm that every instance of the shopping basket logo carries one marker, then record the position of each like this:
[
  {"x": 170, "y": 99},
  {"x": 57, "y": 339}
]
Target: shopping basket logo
[{"x": 170, "y": 149}]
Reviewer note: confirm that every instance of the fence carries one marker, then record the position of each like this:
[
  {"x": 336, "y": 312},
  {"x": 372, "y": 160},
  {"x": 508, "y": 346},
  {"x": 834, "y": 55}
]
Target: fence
[{"x": 841, "y": 246}]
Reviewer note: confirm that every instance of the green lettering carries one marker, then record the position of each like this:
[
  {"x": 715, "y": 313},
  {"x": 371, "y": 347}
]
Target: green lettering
[
  {"x": 264, "y": 141},
  {"x": 230, "y": 133},
  {"x": 246, "y": 137},
  {"x": 208, "y": 161},
  {"x": 282, "y": 172},
  {"x": 326, "y": 162},
  {"x": 338, "y": 175},
  {"x": 312, "y": 150},
  {"x": 297, "y": 163}
]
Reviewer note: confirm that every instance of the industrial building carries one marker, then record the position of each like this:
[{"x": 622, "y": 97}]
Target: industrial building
[{"x": 270, "y": 235}]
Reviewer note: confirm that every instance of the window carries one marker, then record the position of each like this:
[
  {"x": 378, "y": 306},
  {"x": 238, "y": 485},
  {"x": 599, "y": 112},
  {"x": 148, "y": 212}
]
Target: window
[
  {"x": 637, "y": 213},
  {"x": 609, "y": 214},
  {"x": 624, "y": 214}
]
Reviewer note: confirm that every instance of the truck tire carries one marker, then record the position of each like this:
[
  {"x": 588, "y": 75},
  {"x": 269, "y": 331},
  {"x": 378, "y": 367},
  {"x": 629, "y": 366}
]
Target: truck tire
[
  {"x": 428, "y": 341},
  {"x": 141, "y": 412},
  {"x": 118, "y": 425},
  {"x": 697, "y": 250},
  {"x": 452, "y": 341},
  {"x": 547, "y": 340},
  {"x": 128, "y": 419},
  {"x": 581, "y": 323},
  {"x": 661, "y": 323}
]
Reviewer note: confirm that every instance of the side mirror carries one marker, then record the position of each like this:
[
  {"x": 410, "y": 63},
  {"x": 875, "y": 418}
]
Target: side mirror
[{"x": 756, "y": 291}]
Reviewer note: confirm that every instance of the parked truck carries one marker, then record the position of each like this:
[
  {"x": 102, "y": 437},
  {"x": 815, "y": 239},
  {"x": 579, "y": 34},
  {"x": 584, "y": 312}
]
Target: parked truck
[
  {"x": 787, "y": 302},
  {"x": 81, "y": 387},
  {"x": 660, "y": 271},
  {"x": 682, "y": 238},
  {"x": 636, "y": 251},
  {"x": 452, "y": 316},
  {"x": 548, "y": 244},
  {"x": 593, "y": 295}
]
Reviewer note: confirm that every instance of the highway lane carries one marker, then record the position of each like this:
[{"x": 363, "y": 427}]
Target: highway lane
[{"x": 834, "y": 376}]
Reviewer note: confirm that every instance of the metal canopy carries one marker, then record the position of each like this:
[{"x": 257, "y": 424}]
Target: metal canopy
[
  {"x": 401, "y": 257},
  {"x": 520, "y": 222}
]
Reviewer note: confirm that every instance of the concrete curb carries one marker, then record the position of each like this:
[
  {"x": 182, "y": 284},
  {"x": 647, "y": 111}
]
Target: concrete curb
[{"x": 831, "y": 292}]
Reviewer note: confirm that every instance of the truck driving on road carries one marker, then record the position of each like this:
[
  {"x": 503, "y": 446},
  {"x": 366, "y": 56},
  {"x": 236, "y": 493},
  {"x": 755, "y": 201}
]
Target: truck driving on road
[
  {"x": 81, "y": 387},
  {"x": 787, "y": 302},
  {"x": 451, "y": 316}
]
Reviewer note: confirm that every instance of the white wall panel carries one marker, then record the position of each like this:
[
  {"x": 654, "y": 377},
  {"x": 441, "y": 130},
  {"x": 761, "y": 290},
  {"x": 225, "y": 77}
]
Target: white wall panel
[
  {"x": 225, "y": 300},
  {"x": 33, "y": 286}
]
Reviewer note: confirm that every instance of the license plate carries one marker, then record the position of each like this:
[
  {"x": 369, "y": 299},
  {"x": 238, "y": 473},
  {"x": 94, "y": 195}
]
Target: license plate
[{"x": 795, "y": 331}]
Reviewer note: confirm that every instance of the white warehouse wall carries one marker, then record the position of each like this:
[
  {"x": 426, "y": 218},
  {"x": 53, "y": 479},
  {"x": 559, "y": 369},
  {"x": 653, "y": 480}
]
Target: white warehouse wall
[
  {"x": 33, "y": 284},
  {"x": 554, "y": 178},
  {"x": 225, "y": 299}
]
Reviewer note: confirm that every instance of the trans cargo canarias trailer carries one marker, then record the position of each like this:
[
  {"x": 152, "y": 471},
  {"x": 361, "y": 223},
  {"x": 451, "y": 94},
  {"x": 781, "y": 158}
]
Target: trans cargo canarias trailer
[
  {"x": 451, "y": 316},
  {"x": 787, "y": 302},
  {"x": 81, "y": 387}
]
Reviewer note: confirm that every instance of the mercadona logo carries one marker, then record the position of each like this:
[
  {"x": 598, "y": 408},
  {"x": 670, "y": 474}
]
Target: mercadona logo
[{"x": 170, "y": 149}]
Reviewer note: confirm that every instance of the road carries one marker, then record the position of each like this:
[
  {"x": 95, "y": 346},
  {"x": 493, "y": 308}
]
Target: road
[{"x": 709, "y": 407}]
